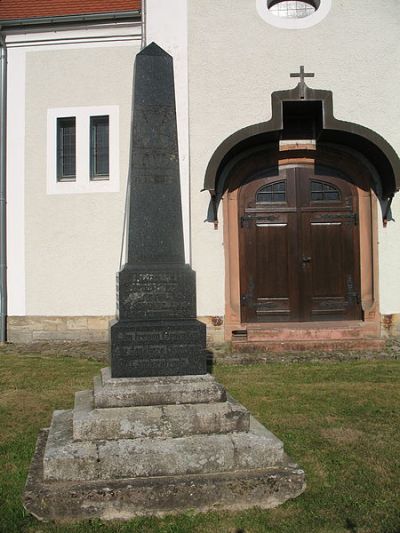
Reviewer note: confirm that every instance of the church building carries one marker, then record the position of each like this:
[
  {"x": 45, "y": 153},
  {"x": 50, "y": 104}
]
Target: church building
[{"x": 289, "y": 148}]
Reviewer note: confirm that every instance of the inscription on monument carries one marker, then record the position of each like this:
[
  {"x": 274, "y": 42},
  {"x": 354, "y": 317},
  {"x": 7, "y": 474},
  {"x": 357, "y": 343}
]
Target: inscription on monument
[
  {"x": 156, "y": 295},
  {"x": 156, "y": 167},
  {"x": 157, "y": 333},
  {"x": 163, "y": 116}
]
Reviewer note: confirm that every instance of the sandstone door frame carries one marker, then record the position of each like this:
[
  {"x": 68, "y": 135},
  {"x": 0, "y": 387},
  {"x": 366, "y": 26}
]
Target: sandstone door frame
[{"x": 291, "y": 154}]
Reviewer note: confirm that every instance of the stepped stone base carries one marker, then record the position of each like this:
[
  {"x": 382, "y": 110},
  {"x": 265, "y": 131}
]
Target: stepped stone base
[
  {"x": 136, "y": 459},
  {"x": 155, "y": 496},
  {"x": 126, "y": 392},
  {"x": 169, "y": 421}
]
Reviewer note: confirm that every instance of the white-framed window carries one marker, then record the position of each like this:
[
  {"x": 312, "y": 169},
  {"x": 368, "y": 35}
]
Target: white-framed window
[
  {"x": 293, "y": 14},
  {"x": 83, "y": 150}
]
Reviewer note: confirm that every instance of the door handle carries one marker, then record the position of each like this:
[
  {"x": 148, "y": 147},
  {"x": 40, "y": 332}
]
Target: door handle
[{"x": 306, "y": 259}]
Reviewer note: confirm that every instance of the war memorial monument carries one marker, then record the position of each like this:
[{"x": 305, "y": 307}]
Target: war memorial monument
[{"x": 157, "y": 434}]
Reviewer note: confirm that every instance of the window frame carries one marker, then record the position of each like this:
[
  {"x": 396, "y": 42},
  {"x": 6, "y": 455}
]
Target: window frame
[
  {"x": 272, "y": 189},
  {"x": 326, "y": 189},
  {"x": 62, "y": 123},
  {"x": 271, "y": 4},
  {"x": 83, "y": 183},
  {"x": 322, "y": 9},
  {"x": 95, "y": 174}
]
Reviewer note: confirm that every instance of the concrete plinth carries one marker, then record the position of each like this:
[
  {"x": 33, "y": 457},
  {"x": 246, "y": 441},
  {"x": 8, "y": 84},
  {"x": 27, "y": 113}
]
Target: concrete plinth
[
  {"x": 165, "y": 390},
  {"x": 167, "y": 421},
  {"x": 155, "y": 496},
  {"x": 120, "y": 462}
]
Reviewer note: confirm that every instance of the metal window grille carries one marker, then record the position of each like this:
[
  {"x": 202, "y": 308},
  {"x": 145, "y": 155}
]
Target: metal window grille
[
  {"x": 100, "y": 147},
  {"x": 323, "y": 192},
  {"x": 292, "y": 9},
  {"x": 276, "y": 192},
  {"x": 66, "y": 149}
]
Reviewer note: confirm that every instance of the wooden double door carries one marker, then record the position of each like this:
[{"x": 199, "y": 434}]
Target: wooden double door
[{"x": 299, "y": 248}]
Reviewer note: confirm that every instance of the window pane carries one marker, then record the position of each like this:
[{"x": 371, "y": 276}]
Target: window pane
[
  {"x": 324, "y": 192},
  {"x": 292, "y": 9},
  {"x": 99, "y": 147},
  {"x": 66, "y": 149},
  {"x": 272, "y": 193}
]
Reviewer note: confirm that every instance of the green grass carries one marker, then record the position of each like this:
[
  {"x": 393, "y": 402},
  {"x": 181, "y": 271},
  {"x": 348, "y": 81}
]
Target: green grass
[{"x": 339, "y": 421}]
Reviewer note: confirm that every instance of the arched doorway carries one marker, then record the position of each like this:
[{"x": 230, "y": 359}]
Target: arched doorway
[
  {"x": 299, "y": 247},
  {"x": 328, "y": 249},
  {"x": 300, "y": 237}
]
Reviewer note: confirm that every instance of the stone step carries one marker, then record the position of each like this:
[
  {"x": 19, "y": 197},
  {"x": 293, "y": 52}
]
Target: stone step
[
  {"x": 318, "y": 331},
  {"x": 69, "y": 460},
  {"x": 324, "y": 345},
  {"x": 122, "y": 499},
  {"x": 165, "y": 390},
  {"x": 166, "y": 421}
]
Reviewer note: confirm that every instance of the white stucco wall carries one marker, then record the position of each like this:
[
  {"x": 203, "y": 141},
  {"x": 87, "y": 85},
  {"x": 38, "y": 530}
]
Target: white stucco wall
[
  {"x": 237, "y": 59},
  {"x": 63, "y": 250},
  {"x": 72, "y": 242}
]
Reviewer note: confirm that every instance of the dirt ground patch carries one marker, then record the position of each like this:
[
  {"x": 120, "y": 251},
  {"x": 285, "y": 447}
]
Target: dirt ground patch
[{"x": 342, "y": 435}]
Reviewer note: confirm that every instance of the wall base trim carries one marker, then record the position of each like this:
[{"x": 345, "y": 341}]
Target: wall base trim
[{"x": 31, "y": 329}]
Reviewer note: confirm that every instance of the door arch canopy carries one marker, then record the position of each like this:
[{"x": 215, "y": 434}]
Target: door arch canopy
[{"x": 306, "y": 114}]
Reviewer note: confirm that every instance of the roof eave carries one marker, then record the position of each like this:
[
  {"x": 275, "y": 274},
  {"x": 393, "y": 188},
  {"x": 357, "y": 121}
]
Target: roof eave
[{"x": 71, "y": 19}]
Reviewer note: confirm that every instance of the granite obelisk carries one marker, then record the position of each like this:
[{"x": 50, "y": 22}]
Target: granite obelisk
[
  {"x": 156, "y": 434},
  {"x": 156, "y": 333}
]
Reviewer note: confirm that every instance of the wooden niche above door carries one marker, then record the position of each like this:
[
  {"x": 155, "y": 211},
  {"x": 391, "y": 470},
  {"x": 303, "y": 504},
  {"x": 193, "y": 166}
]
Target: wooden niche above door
[{"x": 299, "y": 249}]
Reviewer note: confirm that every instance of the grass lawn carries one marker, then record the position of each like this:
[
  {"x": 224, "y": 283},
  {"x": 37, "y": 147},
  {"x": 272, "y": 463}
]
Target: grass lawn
[{"x": 339, "y": 421}]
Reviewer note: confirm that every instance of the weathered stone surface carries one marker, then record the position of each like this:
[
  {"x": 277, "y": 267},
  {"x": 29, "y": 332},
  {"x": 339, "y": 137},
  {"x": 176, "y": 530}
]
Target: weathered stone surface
[
  {"x": 35, "y": 329},
  {"x": 155, "y": 233},
  {"x": 163, "y": 390},
  {"x": 155, "y": 227},
  {"x": 158, "y": 348},
  {"x": 124, "y": 499},
  {"x": 157, "y": 333},
  {"x": 61, "y": 452},
  {"x": 68, "y": 460},
  {"x": 167, "y": 421},
  {"x": 157, "y": 294},
  {"x": 186, "y": 451}
]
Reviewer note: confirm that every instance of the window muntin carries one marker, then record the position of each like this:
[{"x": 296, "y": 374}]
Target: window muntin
[
  {"x": 292, "y": 8},
  {"x": 324, "y": 192},
  {"x": 66, "y": 149},
  {"x": 82, "y": 183},
  {"x": 274, "y": 193},
  {"x": 99, "y": 147},
  {"x": 293, "y": 14}
]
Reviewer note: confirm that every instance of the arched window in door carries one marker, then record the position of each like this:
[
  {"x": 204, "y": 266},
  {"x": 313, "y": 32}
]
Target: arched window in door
[
  {"x": 276, "y": 192},
  {"x": 324, "y": 192}
]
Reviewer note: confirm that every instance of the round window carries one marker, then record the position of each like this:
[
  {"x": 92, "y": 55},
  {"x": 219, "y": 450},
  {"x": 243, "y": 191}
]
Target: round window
[
  {"x": 292, "y": 8},
  {"x": 293, "y": 14}
]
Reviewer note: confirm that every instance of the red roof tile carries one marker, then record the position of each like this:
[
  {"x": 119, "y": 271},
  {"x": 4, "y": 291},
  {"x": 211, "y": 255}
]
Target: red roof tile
[{"x": 20, "y": 9}]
